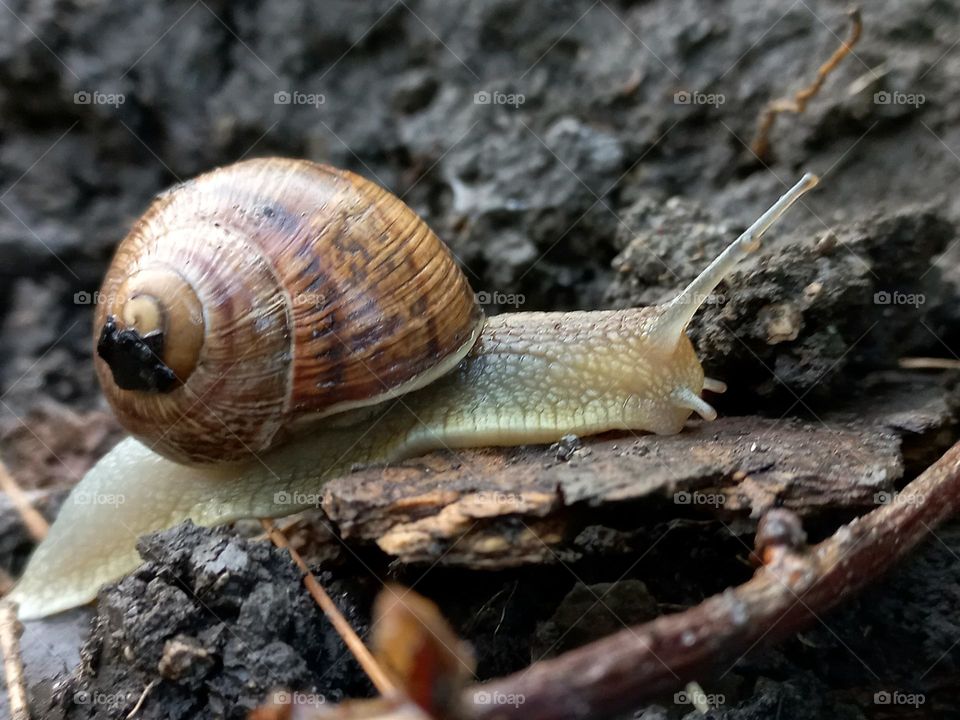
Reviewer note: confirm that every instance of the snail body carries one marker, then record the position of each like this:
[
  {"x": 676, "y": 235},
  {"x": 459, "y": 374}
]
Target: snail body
[{"x": 513, "y": 379}]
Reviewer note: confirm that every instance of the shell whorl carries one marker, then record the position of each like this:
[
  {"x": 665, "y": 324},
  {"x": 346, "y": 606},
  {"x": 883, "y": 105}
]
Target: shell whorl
[{"x": 268, "y": 293}]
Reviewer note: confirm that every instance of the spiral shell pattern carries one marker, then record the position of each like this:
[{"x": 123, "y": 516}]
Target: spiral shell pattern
[{"x": 269, "y": 294}]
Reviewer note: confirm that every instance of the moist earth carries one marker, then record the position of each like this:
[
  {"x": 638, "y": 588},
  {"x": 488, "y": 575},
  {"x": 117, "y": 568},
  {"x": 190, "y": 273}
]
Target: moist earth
[{"x": 574, "y": 154}]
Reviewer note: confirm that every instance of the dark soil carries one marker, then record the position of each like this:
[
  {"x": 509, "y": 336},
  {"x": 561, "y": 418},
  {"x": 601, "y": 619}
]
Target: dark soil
[{"x": 599, "y": 189}]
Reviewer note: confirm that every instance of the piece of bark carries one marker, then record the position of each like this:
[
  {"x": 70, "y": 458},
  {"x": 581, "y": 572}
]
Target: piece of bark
[{"x": 497, "y": 508}]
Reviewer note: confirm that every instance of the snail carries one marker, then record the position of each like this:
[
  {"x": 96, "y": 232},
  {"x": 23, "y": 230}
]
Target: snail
[{"x": 275, "y": 323}]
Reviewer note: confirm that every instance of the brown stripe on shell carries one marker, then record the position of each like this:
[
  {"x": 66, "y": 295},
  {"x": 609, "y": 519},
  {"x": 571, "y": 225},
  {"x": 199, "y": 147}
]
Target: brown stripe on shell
[{"x": 380, "y": 260}]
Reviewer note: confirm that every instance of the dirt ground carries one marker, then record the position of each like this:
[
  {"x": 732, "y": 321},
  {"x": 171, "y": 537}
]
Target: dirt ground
[{"x": 575, "y": 155}]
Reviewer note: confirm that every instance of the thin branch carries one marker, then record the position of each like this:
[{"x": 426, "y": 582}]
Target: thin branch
[
  {"x": 795, "y": 584},
  {"x": 36, "y": 524},
  {"x": 929, "y": 363},
  {"x": 378, "y": 677},
  {"x": 143, "y": 696},
  {"x": 6, "y": 582},
  {"x": 10, "y": 630},
  {"x": 798, "y": 103}
]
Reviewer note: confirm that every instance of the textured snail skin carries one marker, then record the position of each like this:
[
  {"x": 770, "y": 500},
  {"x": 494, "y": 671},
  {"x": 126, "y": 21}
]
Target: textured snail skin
[{"x": 529, "y": 378}]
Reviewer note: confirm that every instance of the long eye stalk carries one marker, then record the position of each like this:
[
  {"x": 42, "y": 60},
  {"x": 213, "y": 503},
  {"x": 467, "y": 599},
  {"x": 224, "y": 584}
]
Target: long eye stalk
[{"x": 678, "y": 312}]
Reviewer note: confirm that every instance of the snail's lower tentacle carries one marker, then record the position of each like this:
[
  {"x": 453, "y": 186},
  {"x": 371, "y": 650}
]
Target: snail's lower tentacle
[{"x": 686, "y": 398}]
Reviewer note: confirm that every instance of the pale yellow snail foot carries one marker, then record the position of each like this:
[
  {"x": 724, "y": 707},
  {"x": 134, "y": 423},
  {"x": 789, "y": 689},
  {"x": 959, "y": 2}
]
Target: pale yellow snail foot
[{"x": 93, "y": 541}]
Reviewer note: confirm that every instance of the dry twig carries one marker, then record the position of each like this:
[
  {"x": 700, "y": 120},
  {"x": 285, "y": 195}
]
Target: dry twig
[
  {"x": 6, "y": 582},
  {"x": 416, "y": 647},
  {"x": 36, "y": 524},
  {"x": 795, "y": 584},
  {"x": 10, "y": 630},
  {"x": 143, "y": 696},
  {"x": 929, "y": 363},
  {"x": 798, "y": 103},
  {"x": 380, "y": 679}
]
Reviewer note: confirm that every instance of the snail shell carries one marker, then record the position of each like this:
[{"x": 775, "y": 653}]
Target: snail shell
[{"x": 269, "y": 293}]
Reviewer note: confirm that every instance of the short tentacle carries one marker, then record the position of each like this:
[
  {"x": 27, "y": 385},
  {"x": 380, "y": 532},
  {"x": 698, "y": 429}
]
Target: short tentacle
[
  {"x": 714, "y": 385},
  {"x": 687, "y": 398}
]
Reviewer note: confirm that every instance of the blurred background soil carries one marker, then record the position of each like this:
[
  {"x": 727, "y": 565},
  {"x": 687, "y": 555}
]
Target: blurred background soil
[{"x": 574, "y": 154}]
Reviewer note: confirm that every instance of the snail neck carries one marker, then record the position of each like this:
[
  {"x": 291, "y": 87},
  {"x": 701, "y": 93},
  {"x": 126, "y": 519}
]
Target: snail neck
[{"x": 534, "y": 377}]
